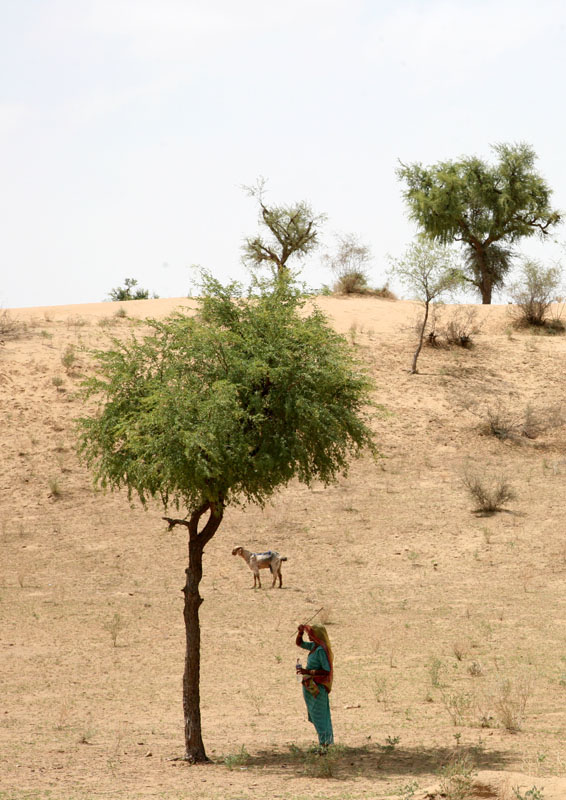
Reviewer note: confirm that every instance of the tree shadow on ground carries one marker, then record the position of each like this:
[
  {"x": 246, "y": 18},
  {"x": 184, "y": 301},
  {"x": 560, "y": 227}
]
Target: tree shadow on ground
[{"x": 374, "y": 761}]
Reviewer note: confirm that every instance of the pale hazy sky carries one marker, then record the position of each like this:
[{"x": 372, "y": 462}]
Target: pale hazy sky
[{"x": 127, "y": 127}]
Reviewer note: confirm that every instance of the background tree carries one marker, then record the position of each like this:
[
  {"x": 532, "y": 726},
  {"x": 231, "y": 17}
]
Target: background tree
[
  {"x": 292, "y": 232},
  {"x": 428, "y": 271},
  {"x": 349, "y": 263},
  {"x": 221, "y": 408},
  {"x": 129, "y": 292},
  {"x": 488, "y": 208}
]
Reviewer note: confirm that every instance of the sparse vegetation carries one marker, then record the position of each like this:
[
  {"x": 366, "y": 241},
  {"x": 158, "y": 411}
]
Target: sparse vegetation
[
  {"x": 534, "y": 293},
  {"x": 129, "y": 292},
  {"x": 510, "y": 703},
  {"x": 69, "y": 358},
  {"x": 54, "y": 488},
  {"x": 239, "y": 759},
  {"x": 488, "y": 491},
  {"x": 457, "y": 778},
  {"x": 115, "y": 626},
  {"x": 534, "y": 793},
  {"x": 10, "y": 328}
]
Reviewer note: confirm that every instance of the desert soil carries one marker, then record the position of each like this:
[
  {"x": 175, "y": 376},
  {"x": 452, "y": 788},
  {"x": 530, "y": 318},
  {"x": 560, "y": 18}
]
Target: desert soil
[{"x": 448, "y": 627}]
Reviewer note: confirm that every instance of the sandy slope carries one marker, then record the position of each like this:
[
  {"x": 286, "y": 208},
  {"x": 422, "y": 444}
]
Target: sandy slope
[{"x": 440, "y": 619}]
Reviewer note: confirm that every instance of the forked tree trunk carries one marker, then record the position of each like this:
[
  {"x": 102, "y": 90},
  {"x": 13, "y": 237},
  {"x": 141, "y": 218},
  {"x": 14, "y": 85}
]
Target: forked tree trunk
[{"x": 194, "y": 746}]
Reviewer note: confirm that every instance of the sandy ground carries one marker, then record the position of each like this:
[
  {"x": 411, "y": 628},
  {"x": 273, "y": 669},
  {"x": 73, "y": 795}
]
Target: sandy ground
[{"x": 449, "y": 628}]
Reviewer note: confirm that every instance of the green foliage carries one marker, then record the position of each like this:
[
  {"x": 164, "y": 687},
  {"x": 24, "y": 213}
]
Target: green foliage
[
  {"x": 228, "y": 405},
  {"x": 428, "y": 271},
  {"x": 292, "y": 232},
  {"x": 129, "y": 292},
  {"x": 534, "y": 793},
  {"x": 239, "y": 759},
  {"x": 489, "y": 208},
  {"x": 457, "y": 778}
]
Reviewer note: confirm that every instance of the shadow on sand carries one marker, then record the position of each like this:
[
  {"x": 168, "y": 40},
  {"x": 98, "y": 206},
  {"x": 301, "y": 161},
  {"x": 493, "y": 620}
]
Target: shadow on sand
[{"x": 378, "y": 762}]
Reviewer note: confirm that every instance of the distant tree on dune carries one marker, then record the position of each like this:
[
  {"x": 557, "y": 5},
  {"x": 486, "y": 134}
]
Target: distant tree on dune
[
  {"x": 488, "y": 208},
  {"x": 129, "y": 292},
  {"x": 291, "y": 232}
]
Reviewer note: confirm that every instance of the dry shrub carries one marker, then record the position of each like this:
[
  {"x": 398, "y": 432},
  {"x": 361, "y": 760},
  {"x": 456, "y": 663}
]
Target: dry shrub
[
  {"x": 352, "y": 283},
  {"x": 490, "y": 492},
  {"x": 510, "y": 703},
  {"x": 457, "y": 778},
  {"x": 504, "y": 424},
  {"x": 459, "y": 328},
  {"x": 534, "y": 294},
  {"x": 356, "y": 282},
  {"x": 10, "y": 328}
]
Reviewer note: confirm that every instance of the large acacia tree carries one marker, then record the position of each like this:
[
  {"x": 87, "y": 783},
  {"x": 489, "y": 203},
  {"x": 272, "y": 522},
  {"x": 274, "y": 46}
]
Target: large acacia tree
[
  {"x": 486, "y": 207},
  {"x": 220, "y": 408}
]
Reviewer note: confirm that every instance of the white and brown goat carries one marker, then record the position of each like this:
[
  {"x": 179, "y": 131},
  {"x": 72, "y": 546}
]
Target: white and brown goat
[{"x": 257, "y": 561}]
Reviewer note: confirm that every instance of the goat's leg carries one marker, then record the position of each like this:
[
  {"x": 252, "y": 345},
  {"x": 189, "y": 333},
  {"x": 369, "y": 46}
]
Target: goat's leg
[{"x": 280, "y": 577}]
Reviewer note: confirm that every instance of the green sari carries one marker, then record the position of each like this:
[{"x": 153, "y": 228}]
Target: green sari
[{"x": 316, "y": 689}]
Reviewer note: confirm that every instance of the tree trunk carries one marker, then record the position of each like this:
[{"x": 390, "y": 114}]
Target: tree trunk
[
  {"x": 486, "y": 288},
  {"x": 414, "y": 369},
  {"x": 194, "y": 746}
]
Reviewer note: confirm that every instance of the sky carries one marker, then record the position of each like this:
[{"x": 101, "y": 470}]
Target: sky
[{"x": 129, "y": 127}]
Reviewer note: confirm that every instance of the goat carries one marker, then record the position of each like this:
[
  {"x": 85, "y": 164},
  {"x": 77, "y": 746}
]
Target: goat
[{"x": 257, "y": 561}]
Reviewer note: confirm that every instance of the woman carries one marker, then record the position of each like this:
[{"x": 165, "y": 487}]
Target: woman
[{"x": 317, "y": 679}]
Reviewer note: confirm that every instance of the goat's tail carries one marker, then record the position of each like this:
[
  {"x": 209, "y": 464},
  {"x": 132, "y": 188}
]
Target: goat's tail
[{"x": 283, "y": 558}]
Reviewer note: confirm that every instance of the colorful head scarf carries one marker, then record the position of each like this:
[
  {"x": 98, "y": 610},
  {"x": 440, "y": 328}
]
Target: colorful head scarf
[{"x": 320, "y": 637}]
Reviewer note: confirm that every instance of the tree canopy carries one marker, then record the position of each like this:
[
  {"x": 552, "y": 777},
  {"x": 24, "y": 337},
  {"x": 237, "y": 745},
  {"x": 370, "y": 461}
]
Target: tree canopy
[
  {"x": 224, "y": 407},
  {"x": 291, "y": 232},
  {"x": 488, "y": 208}
]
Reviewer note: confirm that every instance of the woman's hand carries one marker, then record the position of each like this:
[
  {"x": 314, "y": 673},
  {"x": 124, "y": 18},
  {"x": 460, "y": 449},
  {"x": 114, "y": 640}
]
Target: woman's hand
[{"x": 301, "y": 629}]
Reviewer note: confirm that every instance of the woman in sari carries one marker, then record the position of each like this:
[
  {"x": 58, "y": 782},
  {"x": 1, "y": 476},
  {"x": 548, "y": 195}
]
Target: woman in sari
[{"x": 317, "y": 679}]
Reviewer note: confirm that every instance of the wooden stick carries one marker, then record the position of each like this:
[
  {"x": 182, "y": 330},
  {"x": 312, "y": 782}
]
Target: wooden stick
[{"x": 311, "y": 618}]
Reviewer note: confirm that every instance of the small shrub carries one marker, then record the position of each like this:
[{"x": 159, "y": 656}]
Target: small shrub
[
  {"x": 534, "y": 293},
  {"x": 10, "y": 328},
  {"x": 490, "y": 493},
  {"x": 121, "y": 313},
  {"x": 129, "y": 292},
  {"x": 385, "y": 293},
  {"x": 322, "y": 762},
  {"x": 69, "y": 357},
  {"x": 460, "y": 327},
  {"x": 352, "y": 283},
  {"x": 460, "y": 649},
  {"x": 457, "y": 705},
  {"x": 534, "y": 793},
  {"x": 319, "y": 762},
  {"x": 54, "y": 488},
  {"x": 239, "y": 759},
  {"x": 435, "y": 669},
  {"x": 407, "y": 792},
  {"x": 510, "y": 704},
  {"x": 475, "y": 669},
  {"x": 114, "y": 627},
  {"x": 457, "y": 779},
  {"x": 57, "y": 381}
]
